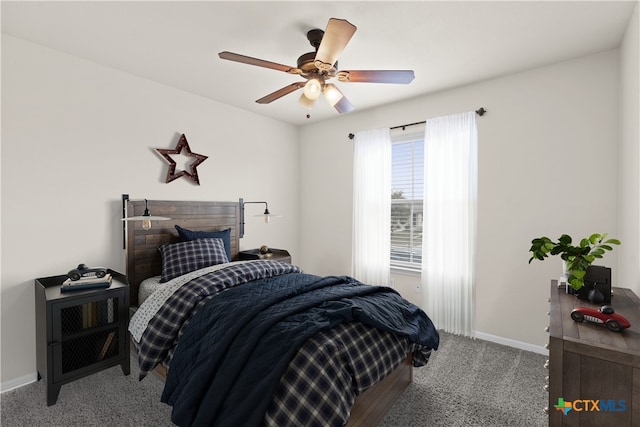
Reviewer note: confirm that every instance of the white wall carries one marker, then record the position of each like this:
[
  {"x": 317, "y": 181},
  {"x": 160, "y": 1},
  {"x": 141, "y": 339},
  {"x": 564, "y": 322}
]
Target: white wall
[
  {"x": 58, "y": 111},
  {"x": 548, "y": 157},
  {"x": 76, "y": 135},
  {"x": 629, "y": 172}
]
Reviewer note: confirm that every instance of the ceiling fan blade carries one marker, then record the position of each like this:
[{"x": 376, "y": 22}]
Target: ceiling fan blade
[
  {"x": 257, "y": 62},
  {"x": 280, "y": 93},
  {"x": 336, "y": 99},
  {"x": 343, "y": 106},
  {"x": 335, "y": 39},
  {"x": 376, "y": 76}
]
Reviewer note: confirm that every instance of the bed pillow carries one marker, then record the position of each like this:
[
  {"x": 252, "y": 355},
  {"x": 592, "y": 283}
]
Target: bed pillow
[
  {"x": 225, "y": 235},
  {"x": 147, "y": 287},
  {"x": 184, "y": 257}
]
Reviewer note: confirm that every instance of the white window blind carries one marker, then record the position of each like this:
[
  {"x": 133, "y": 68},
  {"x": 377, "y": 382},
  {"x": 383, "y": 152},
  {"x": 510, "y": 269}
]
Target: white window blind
[{"x": 407, "y": 192}]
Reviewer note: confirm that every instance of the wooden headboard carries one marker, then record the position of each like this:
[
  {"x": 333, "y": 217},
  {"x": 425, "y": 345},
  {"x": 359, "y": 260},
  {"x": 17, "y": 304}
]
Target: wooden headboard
[{"x": 142, "y": 255}]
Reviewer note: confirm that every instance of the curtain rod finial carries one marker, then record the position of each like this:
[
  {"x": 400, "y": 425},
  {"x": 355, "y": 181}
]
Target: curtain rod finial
[{"x": 351, "y": 136}]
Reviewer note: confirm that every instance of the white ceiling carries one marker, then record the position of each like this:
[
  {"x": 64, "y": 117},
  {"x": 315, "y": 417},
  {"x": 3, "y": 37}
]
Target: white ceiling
[{"x": 446, "y": 43}]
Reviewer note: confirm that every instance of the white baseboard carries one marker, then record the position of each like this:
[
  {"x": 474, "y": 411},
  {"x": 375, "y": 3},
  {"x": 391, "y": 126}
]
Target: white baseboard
[
  {"x": 18, "y": 382},
  {"x": 512, "y": 343}
]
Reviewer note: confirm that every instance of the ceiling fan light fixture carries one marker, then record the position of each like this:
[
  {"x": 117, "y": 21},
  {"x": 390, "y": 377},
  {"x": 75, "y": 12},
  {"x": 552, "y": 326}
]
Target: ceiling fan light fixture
[
  {"x": 306, "y": 102},
  {"x": 332, "y": 94},
  {"x": 312, "y": 89},
  {"x": 336, "y": 99}
]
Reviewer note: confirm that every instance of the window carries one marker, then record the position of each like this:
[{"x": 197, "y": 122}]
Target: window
[{"x": 407, "y": 192}]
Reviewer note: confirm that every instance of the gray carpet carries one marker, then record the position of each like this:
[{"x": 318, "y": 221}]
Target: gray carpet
[
  {"x": 107, "y": 398},
  {"x": 474, "y": 383},
  {"x": 466, "y": 383}
]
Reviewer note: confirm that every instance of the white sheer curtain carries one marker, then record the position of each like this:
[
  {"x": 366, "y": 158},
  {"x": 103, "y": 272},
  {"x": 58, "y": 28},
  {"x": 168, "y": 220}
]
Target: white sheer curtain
[
  {"x": 450, "y": 218},
  {"x": 372, "y": 206}
]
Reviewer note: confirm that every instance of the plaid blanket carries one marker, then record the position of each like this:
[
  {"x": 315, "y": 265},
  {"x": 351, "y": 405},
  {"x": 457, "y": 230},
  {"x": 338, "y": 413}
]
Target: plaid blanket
[
  {"x": 232, "y": 355},
  {"x": 322, "y": 380},
  {"x": 165, "y": 328}
]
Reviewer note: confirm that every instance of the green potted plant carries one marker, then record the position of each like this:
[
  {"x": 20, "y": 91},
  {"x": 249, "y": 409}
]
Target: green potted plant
[{"x": 577, "y": 258}]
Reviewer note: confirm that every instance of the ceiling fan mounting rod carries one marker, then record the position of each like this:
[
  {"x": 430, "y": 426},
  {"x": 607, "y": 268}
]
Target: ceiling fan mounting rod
[{"x": 315, "y": 37}]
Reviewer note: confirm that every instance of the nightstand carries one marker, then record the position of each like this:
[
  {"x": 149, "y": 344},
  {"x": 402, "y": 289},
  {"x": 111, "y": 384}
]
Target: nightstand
[
  {"x": 80, "y": 332},
  {"x": 275, "y": 255}
]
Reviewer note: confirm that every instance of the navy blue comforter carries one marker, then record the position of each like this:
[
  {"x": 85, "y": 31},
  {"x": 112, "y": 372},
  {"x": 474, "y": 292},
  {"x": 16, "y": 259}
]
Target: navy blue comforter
[{"x": 234, "y": 350}]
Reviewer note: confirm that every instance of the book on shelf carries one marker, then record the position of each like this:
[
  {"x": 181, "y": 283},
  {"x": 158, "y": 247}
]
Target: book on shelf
[
  {"x": 93, "y": 283},
  {"x": 88, "y": 280},
  {"x": 110, "y": 310},
  {"x": 106, "y": 346}
]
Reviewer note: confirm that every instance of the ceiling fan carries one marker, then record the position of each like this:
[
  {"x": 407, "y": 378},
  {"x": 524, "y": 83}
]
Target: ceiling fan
[{"x": 320, "y": 66}]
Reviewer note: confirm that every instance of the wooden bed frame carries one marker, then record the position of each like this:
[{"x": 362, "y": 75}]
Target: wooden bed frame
[
  {"x": 143, "y": 256},
  {"x": 143, "y": 261}
]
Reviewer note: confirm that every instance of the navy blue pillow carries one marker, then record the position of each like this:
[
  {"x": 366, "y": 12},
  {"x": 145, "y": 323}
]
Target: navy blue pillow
[{"x": 225, "y": 235}]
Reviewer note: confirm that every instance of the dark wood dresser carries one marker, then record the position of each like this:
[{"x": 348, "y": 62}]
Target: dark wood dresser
[{"x": 596, "y": 370}]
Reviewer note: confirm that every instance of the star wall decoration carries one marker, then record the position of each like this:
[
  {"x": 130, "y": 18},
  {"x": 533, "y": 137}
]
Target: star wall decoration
[{"x": 193, "y": 172}]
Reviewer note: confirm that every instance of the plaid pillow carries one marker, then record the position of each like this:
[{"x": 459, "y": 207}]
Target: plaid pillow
[
  {"x": 225, "y": 235},
  {"x": 184, "y": 257}
]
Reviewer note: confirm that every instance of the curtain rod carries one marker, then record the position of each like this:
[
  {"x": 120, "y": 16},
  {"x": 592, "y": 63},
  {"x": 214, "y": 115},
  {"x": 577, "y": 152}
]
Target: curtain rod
[{"x": 480, "y": 111}]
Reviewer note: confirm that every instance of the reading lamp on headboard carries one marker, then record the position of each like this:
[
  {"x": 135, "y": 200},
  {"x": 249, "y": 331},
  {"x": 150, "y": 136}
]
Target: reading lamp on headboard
[
  {"x": 267, "y": 215},
  {"x": 146, "y": 218}
]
